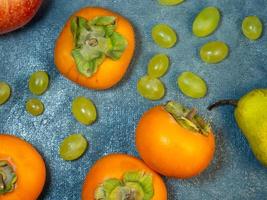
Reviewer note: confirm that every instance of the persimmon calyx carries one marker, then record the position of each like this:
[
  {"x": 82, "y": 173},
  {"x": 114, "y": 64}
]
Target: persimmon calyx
[
  {"x": 8, "y": 178},
  {"x": 95, "y": 40},
  {"x": 188, "y": 118},
  {"x": 133, "y": 186}
]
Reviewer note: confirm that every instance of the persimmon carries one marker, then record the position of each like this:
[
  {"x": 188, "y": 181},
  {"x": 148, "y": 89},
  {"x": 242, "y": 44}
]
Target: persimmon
[
  {"x": 122, "y": 177},
  {"x": 22, "y": 169},
  {"x": 175, "y": 141},
  {"x": 95, "y": 48}
]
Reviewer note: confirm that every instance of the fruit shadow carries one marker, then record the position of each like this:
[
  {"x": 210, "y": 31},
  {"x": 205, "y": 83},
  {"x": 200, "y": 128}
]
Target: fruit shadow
[
  {"x": 42, "y": 12},
  {"x": 219, "y": 161},
  {"x": 220, "y": 157},
  {"x": 47, "y": 185}
]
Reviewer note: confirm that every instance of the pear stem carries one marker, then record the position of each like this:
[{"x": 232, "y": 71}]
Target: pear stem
[{"x": 224, "y": 102}]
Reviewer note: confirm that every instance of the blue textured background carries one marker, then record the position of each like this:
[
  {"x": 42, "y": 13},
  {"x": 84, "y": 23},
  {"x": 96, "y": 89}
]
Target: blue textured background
[{"x": 234, "y": 174}]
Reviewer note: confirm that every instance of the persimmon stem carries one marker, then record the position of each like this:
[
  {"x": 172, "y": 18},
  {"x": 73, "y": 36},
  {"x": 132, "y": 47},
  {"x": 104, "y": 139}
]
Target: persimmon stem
[
  {"x": 191, "y": 114},
  {"x": 224, "y": 102}
]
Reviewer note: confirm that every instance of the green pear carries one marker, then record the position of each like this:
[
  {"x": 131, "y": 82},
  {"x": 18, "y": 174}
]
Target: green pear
[{"x": 251, "y": 117}]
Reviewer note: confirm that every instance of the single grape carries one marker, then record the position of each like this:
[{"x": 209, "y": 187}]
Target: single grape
[
  {"x": 35, "y": 107},
  {"x": 73, "y": 147},
  {"x": 158, "y": 65},
  {"x": 214, "y": 52},
  {"x": 164, "y": 35},
  {"x": 151, "y": 88},
  {"x": 206, "y": 22},
  {"x": 170, "y": 2},
  {"x": 84, "y": 110},
  {"x": 38, "y": 82},
  {"x": 252, "y": 27},
  {"x": 4, "y": 92},
  {"x": 192, "y": 85}
]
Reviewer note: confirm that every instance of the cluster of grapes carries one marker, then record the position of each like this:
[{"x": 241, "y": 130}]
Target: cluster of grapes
[
  {"x": 38, "y": 84},
  {"x": 205, "y": 23},
  {"x": 83, "y": 110}
]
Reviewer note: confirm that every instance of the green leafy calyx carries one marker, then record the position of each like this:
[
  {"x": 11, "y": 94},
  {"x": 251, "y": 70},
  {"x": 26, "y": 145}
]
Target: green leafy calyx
[
  {"x": 95, "y": 40},
  {"x": 134, "y": 185},
  {"x": 188, "y": 118},
  {"x": 8, "y": 178}
]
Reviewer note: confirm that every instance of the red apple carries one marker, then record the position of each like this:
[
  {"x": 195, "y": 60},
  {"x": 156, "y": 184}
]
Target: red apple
[{"x": 16, "y": 13}]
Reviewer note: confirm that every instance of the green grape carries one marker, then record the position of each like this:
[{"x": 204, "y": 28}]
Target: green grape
[
  {"x": 206, "y": 22},
  {"x": 252, "y": 27},
  {"x": 73, "y": 147},
  {"x": 192, "y": 85},
  {"x": 164, "y": 36},
  {"x": 158, "y": 65},
  {"x": 84, "y": 110},
  {"x": 4, "y": 92},
  {"x": 170, "y": 2},
  {"x": 214, "y": 52},
  {"x": 38, "y": 82},
  {"x": 151, "y": 88},
  {"x": 35, "y": 107}
]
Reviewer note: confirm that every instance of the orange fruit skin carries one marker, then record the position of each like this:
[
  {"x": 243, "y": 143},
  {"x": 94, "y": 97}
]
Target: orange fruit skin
[
  {"x": 114, "y": 166},
  {"x": 170, "y": 149},
  {"x": 28, "y": 165},
  {"x": 109, "y": 72}
]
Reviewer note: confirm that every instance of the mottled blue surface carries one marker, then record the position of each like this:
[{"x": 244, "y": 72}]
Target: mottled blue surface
[{"x": 234, "y": 174}]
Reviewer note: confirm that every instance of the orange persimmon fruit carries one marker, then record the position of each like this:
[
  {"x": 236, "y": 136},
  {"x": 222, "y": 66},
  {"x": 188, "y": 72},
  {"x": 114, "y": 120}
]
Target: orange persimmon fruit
[
  {"x": 110, "y": 71},
  {"x": 175, "y": 141},
  {"x": 114, "y": 166},
  {"x": 27, "y": 167}
]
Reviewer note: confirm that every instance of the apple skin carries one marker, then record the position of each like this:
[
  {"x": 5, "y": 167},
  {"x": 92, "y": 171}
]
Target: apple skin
[{"x": 16, "y": 13}]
